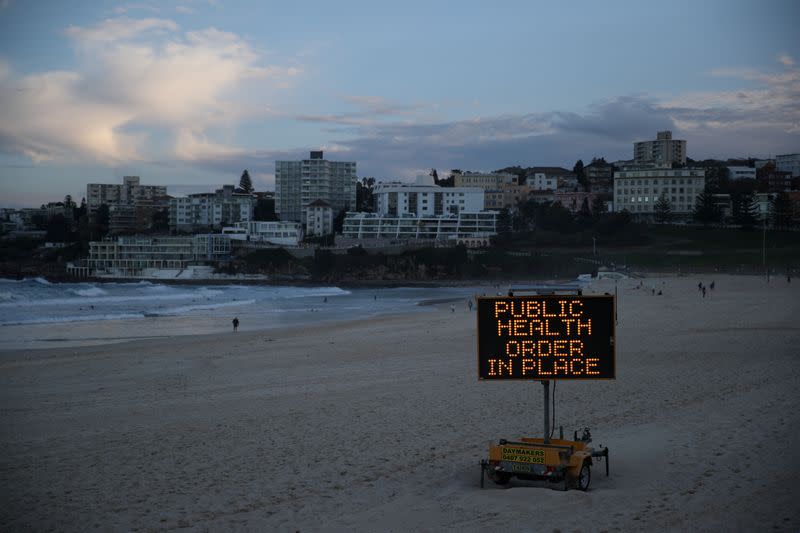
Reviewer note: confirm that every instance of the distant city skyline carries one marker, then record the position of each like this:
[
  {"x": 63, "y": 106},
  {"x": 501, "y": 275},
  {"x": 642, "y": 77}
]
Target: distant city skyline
[{"x": 189, "y": 93}]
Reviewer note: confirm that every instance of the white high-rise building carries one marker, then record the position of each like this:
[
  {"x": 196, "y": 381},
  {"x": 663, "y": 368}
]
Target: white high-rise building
[
  {"x": 299, "y": 183},
  {"x": 660, "y": 153},
  {"x": 223, "y": 207},
  {"x": 638, "y": 191},
  {"x": 423, "y": 198}
]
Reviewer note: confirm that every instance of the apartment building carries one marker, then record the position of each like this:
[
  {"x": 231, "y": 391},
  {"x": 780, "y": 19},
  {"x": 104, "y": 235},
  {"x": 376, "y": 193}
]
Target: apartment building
[
  {"x": 409, "y": 226},
  {"x": 788, "y": 163},
  {"x": 224, "y": 207},
  {"x": 638, "y": 191},
  {"x": 661, "y": 152},
  {"x": 280, "y": 233},
  {"x": 740, "y": 173},
  {"x": 319, "y": 218},
  {"x": 484, "y": 180},
  {"x": 131, "y": 192},
  {"x": 299, "y": 183},
  {"x": 423, "y": 198},
  {"x": 135, "y": 253}
]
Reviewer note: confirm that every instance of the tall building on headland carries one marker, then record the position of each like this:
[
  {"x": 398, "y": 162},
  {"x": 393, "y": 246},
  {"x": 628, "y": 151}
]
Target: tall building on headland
[
  {"x": 131, "y": 205},
  {"x": 300, "y": 183},
  {"x": 131, "y": 192},
  {"x": 662, "y": 152},
  {"x": 223, "y": 207},
  {"x": 426, "y": 198}
]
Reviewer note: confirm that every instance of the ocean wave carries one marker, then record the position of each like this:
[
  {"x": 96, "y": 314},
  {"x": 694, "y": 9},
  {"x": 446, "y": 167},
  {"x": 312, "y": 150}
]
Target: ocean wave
[
  {"x": 71, "y": 318},
  {"x": 39, "y": 280},
  {"x": 91, "y": 291},
  {"x": 199, "y": 307},
  {"x": 4, "y": 296},
  {"x": 306, "y": 292},
  {"x": 99, "y": 300}
]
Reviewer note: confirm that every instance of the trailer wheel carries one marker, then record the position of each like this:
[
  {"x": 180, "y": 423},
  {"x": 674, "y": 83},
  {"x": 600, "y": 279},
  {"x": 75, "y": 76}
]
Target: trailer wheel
[
  {"x": 500, "y": 478},
  {"x": 584, "y": 477}
]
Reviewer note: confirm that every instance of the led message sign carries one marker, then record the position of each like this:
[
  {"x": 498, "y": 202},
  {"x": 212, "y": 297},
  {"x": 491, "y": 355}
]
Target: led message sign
[{"x": 546, "y": 337}]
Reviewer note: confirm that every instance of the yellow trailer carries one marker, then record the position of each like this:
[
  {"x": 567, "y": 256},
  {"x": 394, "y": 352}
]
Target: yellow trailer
[{"x": 566, "y": 462}]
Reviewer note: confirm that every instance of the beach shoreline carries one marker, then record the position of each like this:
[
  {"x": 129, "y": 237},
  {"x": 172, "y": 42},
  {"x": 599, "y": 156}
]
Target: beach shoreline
[{"x": 379, "y": 424}]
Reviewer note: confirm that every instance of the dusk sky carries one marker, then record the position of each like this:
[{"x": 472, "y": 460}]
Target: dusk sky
[{"x": 189, "y": 93}]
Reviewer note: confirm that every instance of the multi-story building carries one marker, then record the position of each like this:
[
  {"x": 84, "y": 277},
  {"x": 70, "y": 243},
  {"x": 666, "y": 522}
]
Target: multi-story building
[
  {"x": 662, "y": 152},
  {"x": 600, "y": 176},
  {"x": 638, "y": 191},
  {"x": 574, "y": 200},
  {"x": 539, "y": 181},
  {"x": 224, "y": 207},
  {"x": 408, "y": 226},
  {"x": 484, "y": 180},
  {"x": 131, "y": 205},
  {"x": 423, "y": 198},
  {"x": 298, "y": 183},
  {"x": 741, "y": 173},
  {"x": 131, "y": 192},
  {"x": 135, "y": 253},
  {"x": 507, "y": 196},
  {"x": 788, "y": 163},
  {"x": 319, "y": 218},
  {"x": 277, "y": 232}
]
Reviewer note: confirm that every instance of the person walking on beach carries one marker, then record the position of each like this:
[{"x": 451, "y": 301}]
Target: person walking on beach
[
  {"x": 704, "y": 292},
  {"x": 452, "y": 308},
  {"x": 470, "y": 304},
  {"x": 235, "y": 323}
]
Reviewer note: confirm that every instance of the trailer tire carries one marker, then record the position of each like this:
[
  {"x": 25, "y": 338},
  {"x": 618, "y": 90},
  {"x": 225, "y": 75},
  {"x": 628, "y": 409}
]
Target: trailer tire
[
  {"x": 584, "y": 477},
  {"x": 500, "y": 478}
]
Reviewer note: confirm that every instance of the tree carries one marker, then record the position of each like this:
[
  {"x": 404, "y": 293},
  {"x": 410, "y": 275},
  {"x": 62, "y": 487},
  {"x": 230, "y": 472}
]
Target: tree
[
  {"x": 264, "y": 209},
  {"x": 245, "y": 183},
  {"x": 57, "y": 229},
  {"x": 598, "y": 207},
  {"x": 584, "y": 216},
  {"x": 780, "y": 210},
  {"x": 663, "y": 210},
  {"x": 365, "y": 199},
  {"x": 705, "y": 210},
  {"x": 159, "y": 222},
  {"x": 743, "y": 209},
  {"x": 578, "y": 171},
  {"x": 68, "y": 201},
  {"x": 435, "y": 175},
  {"x": 101, "y": 221}
]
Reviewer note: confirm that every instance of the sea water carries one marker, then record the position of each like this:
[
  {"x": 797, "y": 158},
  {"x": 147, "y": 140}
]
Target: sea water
[{"x": 33, "y": 310}]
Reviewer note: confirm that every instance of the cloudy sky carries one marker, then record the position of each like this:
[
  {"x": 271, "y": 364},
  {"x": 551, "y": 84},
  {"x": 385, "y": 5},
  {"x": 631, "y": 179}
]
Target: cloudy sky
[{"x": 190, "y": 93}]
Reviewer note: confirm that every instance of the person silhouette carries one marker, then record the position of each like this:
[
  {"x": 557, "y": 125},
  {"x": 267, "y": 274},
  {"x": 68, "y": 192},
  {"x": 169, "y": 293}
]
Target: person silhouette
[{"x": 235, "y": 323}]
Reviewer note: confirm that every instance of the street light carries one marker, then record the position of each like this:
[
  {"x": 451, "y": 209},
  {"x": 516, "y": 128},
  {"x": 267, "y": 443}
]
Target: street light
[{"x": 594, "y": 246}]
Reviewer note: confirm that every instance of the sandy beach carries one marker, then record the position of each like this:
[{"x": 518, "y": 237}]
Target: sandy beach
[{"x": 379, "y": 425}]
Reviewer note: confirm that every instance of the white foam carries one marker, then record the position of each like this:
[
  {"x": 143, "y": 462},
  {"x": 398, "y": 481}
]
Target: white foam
[
  {"x": 72, "y": 318},
  {"x": 199, "y": 307},
  {"x": 91, "y": 291}
]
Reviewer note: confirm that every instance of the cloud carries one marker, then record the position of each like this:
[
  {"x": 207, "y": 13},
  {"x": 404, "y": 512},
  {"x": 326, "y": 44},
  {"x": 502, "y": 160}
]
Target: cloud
[
  {"x": 184, "y": 9},
  {"x": 119, "y": 29},
  {"x": 369, "y": 110},
  {"x": 121, "y": 10},
  {"x": 753, "y": 121},
  {"x": 143, "y": 90},
  {"x": 786, "y": 60}
]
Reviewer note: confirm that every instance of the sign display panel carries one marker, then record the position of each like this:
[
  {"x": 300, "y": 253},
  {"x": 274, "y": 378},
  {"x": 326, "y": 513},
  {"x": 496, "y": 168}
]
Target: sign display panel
[{"x": 546, "y": 337}]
